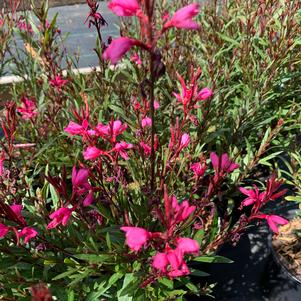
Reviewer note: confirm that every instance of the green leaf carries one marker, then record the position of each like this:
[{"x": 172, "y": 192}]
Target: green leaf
[
  {"x": 199, "y": 235},
  {"x": 103, "y": 287},
  {"x": 65, "y": 274},
  {"x": 293, "y": 198},
  {"x": 129, "y": 287},
  {"x": 213, "y": 259},
  {"x": 93, "y": 258},
  {"x": 228, "y": 39},
  {"x": 54, "y": 196},
  {"x": 166, "y": 282},
  {"x": 198, "y": 273}
]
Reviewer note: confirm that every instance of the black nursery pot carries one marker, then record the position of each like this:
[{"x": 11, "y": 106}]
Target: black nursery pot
[
  {"x": 254, "y": 275},
  {"x": 279, "y": 283}
]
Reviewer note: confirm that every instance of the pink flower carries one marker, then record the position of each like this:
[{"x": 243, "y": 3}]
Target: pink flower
[
  {"x": 124, "y": 8},
  {"x": 188, "y": 245},
  {"x": 146, "y": 122},
  {"x": 28, "y": 108},
  {"x": 183, "y": 17},
  {"x": 181, "y": 271},
  {"x": 112, "y": 130},
  {"x": 60, "y": 216},
  {"x": 146, "y": 148},
  {"x": 94, "y": 17},
  {"x": 273, "y": 185},
  {"x": 222, "y": 164},
  {"x": 156, "y": 105},
  {"x": 174, "y": 259},
  {"x": 273, "y": 221},
  {"x": 2, "y": 159},
  {"x": 28, "y": 234},
  {"x": 92, "y": 152},
  {"x": 160, "y": 262},
  {"x": 89, "y": 199},
  {"x": 185, "y": 140},
  {"x": 17, "y": 209},
  {"x": 118, "y": 48},
  {"x": 81, "y": 185},
  {"x": 190, "y": 95},
  {"x": 204, "y": 94},
  {"x": 23, "y": 25},
  {"x": 77, "y": 129},
  {"x": 80, "y": 180},
  {"x": 136, "y": 237},
  {"x": 136, "y": 58},
  {"x": 182, "y": 211},
  {"x": 186, "y": 93},
  {"x": 58, "y": 82},
  {"x": 198, "y": 169},
  {"x": 253, "y": 196},
  {"x": 3, "y": 230},
  {"x": 121, "y": 148}
]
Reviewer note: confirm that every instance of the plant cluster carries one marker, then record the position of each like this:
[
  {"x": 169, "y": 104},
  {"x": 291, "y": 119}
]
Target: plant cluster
[{"x": 116, "y": 184}]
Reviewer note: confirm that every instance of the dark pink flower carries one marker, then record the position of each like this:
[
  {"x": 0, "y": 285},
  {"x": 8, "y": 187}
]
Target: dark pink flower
[
  {"x": 181, "y": 271},
  {"x": 188, "y": 245},
  {"x": 136, "y": 58},
  {"x": 185, "y": 140},
  {"x": 171, "y": 263},
  {"x": 24, "y": 25},
  {"x": 146, "y": 148},
  {"x": 124, "y": 8},
  {"x": 89, "y": 199},
  {"x": 273, "y": 221},
  {"x": 58, "y": 82},
  {"x": 111, "y": 130},
  {"x": 94, "y": 17},
  {"x": 183, "y": 17},
  {"x": 77, "y": 129},
  {"x": 28, "y": 234},
  {"x": 3, "y": 230},
  {"x": 118, "y": 48},
  {"x": 121, "y": 148},
  {"x": 181, "y": 211},
  {"x": 190, "y": 95},
  {"x": 17, "y": 209},
  {"x": 2, "y": 159},
  {"x": 146, "y": 122},
  {"x": 28, "y": 108},
  {"x": 273, "y": 185},
  {"x": 60, "y": 216},
  {"x": 80, "y": 180},
  {"x": 136, "y": 237},
  {"x": 92, "y": 152},
  {"x": 175, "y": 258},
  {"x": 222, "y": 163},
  {"x": 160, "y": 262},
  {"x": 253, "y": 196},
  {"x": 198, "y": 168},
  {"x": 204, "y": 94}
]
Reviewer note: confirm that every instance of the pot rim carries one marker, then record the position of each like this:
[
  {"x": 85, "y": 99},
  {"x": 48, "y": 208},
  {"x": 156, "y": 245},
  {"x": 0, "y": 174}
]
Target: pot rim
[{"x": 281, "y": 263}]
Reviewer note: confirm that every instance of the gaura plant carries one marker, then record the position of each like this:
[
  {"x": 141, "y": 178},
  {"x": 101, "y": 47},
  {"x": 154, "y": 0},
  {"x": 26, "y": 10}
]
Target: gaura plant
[{"x": 138, "y": 198}]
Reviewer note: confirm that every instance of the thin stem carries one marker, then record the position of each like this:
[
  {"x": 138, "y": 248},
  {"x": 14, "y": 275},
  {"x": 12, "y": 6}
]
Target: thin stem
[{"x": 149, "y": 6}]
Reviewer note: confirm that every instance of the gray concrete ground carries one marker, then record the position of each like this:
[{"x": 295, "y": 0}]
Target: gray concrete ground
[
  {"x": 25, "y": 4},
  {"x": 81, "y": 38}
]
